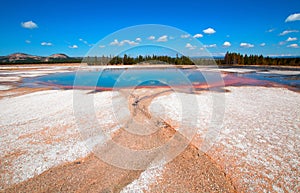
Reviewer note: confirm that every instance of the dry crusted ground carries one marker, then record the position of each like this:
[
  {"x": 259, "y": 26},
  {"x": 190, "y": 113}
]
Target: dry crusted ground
[{"x": 191, "y": 171}]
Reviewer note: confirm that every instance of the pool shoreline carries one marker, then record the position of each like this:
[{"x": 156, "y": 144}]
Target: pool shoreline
[{"x": 12, "y": 77}]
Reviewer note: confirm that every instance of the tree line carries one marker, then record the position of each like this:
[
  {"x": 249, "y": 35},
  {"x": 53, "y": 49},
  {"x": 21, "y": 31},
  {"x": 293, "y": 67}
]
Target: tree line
[
  {"x": 127, "y": 60},
  {"x": 237, "y": 58},
  {"x": 229, "y": 59}
]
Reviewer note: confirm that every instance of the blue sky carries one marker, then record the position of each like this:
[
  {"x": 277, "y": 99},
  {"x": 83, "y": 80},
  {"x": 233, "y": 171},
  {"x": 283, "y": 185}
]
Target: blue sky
[{"x": 74, "y": 27}]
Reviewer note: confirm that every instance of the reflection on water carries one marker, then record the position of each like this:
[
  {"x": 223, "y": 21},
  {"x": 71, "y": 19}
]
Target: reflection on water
[{"x": 109, "y": 78}]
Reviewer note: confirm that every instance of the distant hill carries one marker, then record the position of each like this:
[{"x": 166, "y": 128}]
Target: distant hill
[
  {"x": 19, "y": 57},
  {"x": 57, "y": 57},
  {"x": 22, "y": 58},
  {"x": 61, "y": 56}
]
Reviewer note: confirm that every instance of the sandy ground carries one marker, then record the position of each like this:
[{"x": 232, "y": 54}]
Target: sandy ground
[{"x": 43, "y": 149}]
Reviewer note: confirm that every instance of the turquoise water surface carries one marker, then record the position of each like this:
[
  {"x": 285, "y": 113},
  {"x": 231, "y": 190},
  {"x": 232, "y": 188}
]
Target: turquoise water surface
[{"x": 152, "y": 77}]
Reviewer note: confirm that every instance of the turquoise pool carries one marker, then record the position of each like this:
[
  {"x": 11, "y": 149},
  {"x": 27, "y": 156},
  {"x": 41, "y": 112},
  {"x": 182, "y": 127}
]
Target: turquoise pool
[{"x": 114, "y": 78}]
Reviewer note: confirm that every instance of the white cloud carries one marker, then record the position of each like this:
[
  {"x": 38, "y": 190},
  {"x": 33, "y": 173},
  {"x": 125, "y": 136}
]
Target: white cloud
[
  {"x": 151, "y": 38},
  {"x": 28, "y": 41},
  {"x": 29, "y": 25},
  {"x": 190, "y": 46},
  {"x": 114, "y": 43},
  {"x": 85, "y": 42},
  {"x": 138, "y": 39},
  {"x": 262, "y": 44},
  {"x": 287, "y": 32},
  {"x": 46, "y": 44},
  {"x": 246, "y": 45},
  {"x": 226, "y": 44},
  {"x": 163, "y": 38},
  {"x": 123, "y": 42},
  {"x": 210, "y": 46},
  {"x": 209, "y": 31},
  {"x": 101, "y": 46},
  {"x": 132, "y": 43},
  {"x": 291, "y": 39},
  {"x": 293, "y": 46},
  {"x": 293, "y": 17},
  {"x": 198, "y": 36},
  {"x": 271, "y": 30},
  {"x": 185, "y": 36},
  {"x": 73, "y": 47}
]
